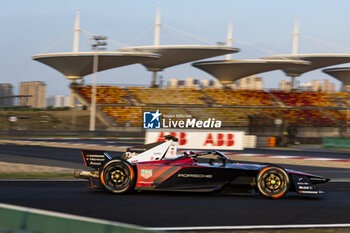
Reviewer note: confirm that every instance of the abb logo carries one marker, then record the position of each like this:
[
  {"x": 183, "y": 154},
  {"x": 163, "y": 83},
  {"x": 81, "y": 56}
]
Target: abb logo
[
  {"x": 211, "y": 139},
  {"x": 180, "y": 135},
  {"x": 219, "y": 139}
]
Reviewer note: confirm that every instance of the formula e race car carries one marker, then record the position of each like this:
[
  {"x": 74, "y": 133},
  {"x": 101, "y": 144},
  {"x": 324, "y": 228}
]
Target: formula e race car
[{"x": 156, "y": 166}]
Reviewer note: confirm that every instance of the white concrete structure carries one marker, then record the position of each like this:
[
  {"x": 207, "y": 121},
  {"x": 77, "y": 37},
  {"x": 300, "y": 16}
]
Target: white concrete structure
[
  {"x": 77, "y": 65},
  {"x": 317, "y": 61},
  {"x": 172, "y": 55},
  {"x": 341, "y": 73},
  {"x": 229, "y": 71}
]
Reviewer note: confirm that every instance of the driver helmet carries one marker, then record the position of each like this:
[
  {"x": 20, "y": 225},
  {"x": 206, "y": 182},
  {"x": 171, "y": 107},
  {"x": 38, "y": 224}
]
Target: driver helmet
[{"x": 189, "y": 152}]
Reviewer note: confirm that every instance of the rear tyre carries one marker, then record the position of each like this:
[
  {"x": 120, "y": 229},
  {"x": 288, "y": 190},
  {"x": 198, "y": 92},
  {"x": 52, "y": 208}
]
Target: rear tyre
[
  {"x": 273, "y": 182},
  {"x": 117, "y": 176}
]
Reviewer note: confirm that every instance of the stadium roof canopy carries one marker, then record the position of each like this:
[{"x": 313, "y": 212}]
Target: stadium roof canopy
[
  {"x": 341, "y": 73},
  {"x": 172, "y": 55},
  {"x": 76, "y": 65},
  {"x": 232, "y": 70},
  {"x": 317, "y": 61}
]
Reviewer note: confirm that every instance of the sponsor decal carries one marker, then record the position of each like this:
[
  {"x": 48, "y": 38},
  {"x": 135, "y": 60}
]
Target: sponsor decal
[
  {"x": 95, "y": 156},
  {"x": 200, "y": 139},
  {"x": 303, "y": 185},
  {"x": 146, "y": 173},
  {"x": 208, "y": 176},
  {"x": 309, "y": 192},
  {"x": 95, "y": 160},
  {"x": 129, "y": 155},
  {"x": 219, "y": 140},
  {"x": 145, "y": 182},
  {"x": 95, "y": 163}
]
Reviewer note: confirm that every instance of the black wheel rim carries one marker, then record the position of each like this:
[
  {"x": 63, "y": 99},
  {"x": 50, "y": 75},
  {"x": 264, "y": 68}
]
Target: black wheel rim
[
  {"x": 117, "y": 176},
  {"x": 273, "y": 183}
]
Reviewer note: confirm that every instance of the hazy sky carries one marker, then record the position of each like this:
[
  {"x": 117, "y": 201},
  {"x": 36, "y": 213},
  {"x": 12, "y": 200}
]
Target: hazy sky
[{"x": 29, "y": 27}]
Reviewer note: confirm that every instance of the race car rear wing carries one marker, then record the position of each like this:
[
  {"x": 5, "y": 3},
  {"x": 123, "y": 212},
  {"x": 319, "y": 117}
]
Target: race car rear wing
[
  {"x": 94, "y": 158},
  {"x": 153, "y": 151},
  {"x": 143, "y": 153}
]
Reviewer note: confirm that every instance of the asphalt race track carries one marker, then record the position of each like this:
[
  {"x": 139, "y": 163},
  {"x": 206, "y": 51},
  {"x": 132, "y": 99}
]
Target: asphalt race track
[
  {"x": 165, "y": 209},
  {"x": 71, "y": 158},
  {"x": 159, "y": 209}
]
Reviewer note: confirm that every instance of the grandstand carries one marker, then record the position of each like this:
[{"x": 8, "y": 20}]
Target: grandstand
[
  {"x": 123, "y": 106},
  {"x": 240, "y": 97},
  {"x": 104, "y": 94},
  {"x": 119, "y": 106},
  {"x": 167, "y": 96},
  {"x": 305, "y": 99}
]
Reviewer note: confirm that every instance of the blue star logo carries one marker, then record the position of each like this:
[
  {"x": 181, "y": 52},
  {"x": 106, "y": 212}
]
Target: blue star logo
[{"x": 151, "y": 120}]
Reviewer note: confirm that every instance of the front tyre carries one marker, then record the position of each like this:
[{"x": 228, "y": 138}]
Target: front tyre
[
  {"x": 117, "y": 176},
  {"x": 273, "y": 182}
]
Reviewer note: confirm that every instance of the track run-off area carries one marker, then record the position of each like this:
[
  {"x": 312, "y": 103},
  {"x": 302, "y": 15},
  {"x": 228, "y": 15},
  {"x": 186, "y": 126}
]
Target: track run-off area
[{"x": 173, "y": 210}]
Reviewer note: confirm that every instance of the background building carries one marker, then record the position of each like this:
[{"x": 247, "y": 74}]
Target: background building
[
  {"x": 37, "y": 90},
  {"x": 252, "y": 82},
  {"x": 314, "y": 85},
  {"x": 212, "y": 83},
  {"x": 6, "y": 89},
  {"x": 285, "y": 85},
  {"x": 58, "y": 101},
  {"x": 187, "y": 83}
]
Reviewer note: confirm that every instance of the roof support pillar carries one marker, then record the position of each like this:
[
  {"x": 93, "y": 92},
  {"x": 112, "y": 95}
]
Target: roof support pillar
[
  {"x": 76, "y": 32},
  {"x": 292, "y": 82},
  {"x": 157, "y": 28},
  {"x": 229, "y": 39},
  {"x": 154, "y": 80},
  {"x": 296, "y": 37},
  {"x": 72, "y": 98}
]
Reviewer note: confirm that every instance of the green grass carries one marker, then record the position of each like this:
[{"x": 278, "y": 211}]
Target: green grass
[
  {"x": 314, "y": 230},
  {"x": 341, "y": 149},
  {"x": 36, "y": 175},
  {"x": 278, "y": 148}
]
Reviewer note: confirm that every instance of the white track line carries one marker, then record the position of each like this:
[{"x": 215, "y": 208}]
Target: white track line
[
  {"x": 291, "y": 226},
  {"x": 88, "y": 219}
]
